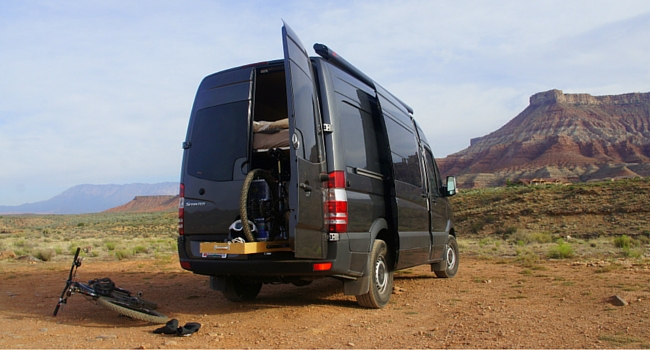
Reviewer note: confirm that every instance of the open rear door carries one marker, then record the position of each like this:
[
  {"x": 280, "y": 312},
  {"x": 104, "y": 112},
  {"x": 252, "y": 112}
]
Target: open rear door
[{"x": 305, "y": 189}]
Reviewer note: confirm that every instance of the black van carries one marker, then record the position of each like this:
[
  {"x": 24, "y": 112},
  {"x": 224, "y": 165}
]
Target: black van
[{"x": 304, "y": 168}]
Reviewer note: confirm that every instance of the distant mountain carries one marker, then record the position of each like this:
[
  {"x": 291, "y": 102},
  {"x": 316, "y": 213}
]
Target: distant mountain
[
  {"x": 92, "y": 198},
  {"x": 147, "y": 204},
  {"x": 569, "y": 137}
]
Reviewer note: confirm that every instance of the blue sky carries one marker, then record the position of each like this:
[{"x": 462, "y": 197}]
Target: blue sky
[{"x": 99, "y": 92}]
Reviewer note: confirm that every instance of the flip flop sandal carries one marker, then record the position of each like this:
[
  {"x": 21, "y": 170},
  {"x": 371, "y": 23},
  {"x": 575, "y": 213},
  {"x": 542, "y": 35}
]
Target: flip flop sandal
[
  {"x": 170, "y": 328},
  {"x": 188, "y": 329}
]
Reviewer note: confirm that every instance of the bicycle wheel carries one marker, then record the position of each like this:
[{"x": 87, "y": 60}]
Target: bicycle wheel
[
  {"x": 248, "y": 205},
  {"x": 132, "y": 311},
  {"x": 120, "y": 293}
]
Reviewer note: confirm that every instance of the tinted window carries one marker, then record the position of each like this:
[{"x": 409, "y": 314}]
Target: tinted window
[
  {"x": 304, "y": 106},
  {"x": 406, "y": 164},
  {"x": 423, "y": 138},
  {"x": 432, "y": 173},
  {"x": 218, "y": 139},
  {"x": 359, "y": 137},
  {"x": 303, "y": 103}
]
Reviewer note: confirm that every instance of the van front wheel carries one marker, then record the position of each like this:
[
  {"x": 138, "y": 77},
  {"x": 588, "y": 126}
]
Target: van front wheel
[
  {"x": 381, "y": 278},
  {"x": 452, "y": 259}
]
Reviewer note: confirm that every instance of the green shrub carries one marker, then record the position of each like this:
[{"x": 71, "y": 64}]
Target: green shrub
[
  {"x": 140, "y": 249},
  {"x": 541, "y": 237},
  {"x": 624, "y": 241},
  {"x": 632, "y": 253},
  {"x": 562, "y": 250},
  {"x": 110, "y": 245},
  {"x": 522, "y": 238},
  {"x": 122, "y": 254},
  {"x": 526, "y": 257},
  {"x": 45, "y": 254}
]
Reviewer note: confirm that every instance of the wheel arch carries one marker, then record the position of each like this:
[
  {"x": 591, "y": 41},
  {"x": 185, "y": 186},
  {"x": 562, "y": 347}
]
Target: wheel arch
[{"x": 379, "y": 230}]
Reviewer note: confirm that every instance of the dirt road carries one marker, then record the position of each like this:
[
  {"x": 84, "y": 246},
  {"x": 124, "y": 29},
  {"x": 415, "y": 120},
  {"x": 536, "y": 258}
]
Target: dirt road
[{"x": 488, "y": 305}]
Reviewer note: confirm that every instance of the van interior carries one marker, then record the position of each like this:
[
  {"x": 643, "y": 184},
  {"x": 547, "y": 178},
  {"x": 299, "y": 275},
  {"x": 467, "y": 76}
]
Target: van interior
[{"x": 269, "y": 151}]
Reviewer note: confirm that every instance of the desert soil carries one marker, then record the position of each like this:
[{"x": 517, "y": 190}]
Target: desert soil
[{"x": 489, "y": 304}]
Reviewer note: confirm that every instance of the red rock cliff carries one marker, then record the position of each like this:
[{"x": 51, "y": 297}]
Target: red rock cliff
[{"x": 576, "y": 136}]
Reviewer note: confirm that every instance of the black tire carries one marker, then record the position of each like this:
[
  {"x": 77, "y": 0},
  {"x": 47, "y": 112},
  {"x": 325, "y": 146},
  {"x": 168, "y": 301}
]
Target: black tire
[
  {"x": 126, "y": 310},
  {"x": 237, "y": 290},
  {"x": 453, "y": 259},
  {"x": 381, "y": 278},
  {"x": 244, "y": 199},
  {"x": 301, "y": 283}
]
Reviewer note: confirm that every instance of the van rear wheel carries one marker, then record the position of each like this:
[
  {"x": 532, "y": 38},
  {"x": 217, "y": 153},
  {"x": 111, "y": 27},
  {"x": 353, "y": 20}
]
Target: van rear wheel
[
  {"x": 237, "y": 290},
  {"x": 381, "y": 278}
]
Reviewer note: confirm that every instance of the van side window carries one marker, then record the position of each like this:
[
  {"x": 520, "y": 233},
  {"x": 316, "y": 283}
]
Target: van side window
[
  {"x": 432, "y": 173},
  {"x": 406, "y": 163},
  {"x": 359, "y": 137}
]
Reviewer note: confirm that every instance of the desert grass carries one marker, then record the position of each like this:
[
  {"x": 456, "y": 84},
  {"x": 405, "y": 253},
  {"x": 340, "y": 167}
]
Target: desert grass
[{"x": 106, "y": 236}]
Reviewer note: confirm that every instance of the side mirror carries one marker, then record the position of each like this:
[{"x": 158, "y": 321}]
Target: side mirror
[{"x": 451, "y": 186}]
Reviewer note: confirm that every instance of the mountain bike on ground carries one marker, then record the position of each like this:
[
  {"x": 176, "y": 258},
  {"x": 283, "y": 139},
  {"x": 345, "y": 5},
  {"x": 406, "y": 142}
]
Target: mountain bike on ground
[{"x": 104, "y": 292}]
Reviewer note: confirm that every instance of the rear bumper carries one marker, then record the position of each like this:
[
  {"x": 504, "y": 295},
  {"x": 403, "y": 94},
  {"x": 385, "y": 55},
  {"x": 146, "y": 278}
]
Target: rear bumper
[
  {"x": 277, "y": 268},
  {"x": 280, "y": 264}
]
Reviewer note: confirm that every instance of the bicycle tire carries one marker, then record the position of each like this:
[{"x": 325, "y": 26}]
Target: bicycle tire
[
  {"x": 140, "y": 314},
  {"x": 243, "y": 200}
]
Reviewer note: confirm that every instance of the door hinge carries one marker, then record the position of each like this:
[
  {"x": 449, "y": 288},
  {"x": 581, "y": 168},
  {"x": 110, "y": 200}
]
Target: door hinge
[{"x": 328, "y": 128}]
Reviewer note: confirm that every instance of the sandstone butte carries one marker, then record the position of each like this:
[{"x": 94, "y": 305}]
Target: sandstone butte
[
  {"x": 144, "y": 204},
  {"x": 560, "y": 138}
]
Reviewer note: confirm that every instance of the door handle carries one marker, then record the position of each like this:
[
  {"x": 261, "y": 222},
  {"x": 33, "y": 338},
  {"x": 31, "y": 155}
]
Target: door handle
[{"x": 305, "y": 187}]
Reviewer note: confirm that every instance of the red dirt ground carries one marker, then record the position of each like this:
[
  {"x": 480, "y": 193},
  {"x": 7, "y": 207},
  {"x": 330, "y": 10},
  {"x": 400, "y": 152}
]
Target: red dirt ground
[{"x": 488, "y": 305}]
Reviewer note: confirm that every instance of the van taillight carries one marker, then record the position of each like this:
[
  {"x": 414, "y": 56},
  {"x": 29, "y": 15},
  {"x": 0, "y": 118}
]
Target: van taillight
[
  {"x": 336, "y": 203},
  {"x": 181, "y": 211}
]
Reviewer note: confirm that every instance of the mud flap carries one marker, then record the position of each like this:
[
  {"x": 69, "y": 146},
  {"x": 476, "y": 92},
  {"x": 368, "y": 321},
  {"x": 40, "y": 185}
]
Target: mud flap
[
  {"x": 442, "y": 264},
  {"x": 359, "y": 286}
]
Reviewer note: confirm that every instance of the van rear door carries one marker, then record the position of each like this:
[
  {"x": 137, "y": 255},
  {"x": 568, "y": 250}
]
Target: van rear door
[
  {"x": 215, "y": 152},
  {"x": 305, "y": 189}
]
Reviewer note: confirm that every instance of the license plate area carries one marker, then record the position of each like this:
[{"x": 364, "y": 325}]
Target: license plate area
[{"x": 223, "y": 248}]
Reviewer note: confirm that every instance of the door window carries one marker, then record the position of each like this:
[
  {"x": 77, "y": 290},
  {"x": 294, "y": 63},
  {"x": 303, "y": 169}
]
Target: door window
[
  {"x": 406, "y": 163},
  {"x": 432, "y": 173},
  {"x": 359, "y": 138}
]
